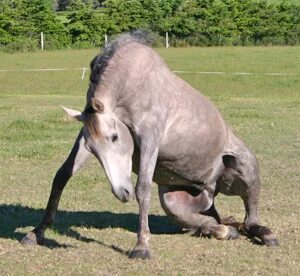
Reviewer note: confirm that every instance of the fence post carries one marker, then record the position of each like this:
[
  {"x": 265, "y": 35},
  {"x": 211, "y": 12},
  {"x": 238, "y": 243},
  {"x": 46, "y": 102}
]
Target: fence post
[
  {"x": 42, "y": 41},
  {"x": 83, "y": 72},
  {"x": 105, "y": 38},
  {"x": 167, "y": 40}
]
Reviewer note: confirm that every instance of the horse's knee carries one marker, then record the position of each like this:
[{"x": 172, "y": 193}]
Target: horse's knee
[
  {"x": 188, "y": 200},
  {"x": 171, "y": 202}
]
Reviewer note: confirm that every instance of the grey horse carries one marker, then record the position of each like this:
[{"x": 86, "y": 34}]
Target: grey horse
[{"x": 140, "y": 116}]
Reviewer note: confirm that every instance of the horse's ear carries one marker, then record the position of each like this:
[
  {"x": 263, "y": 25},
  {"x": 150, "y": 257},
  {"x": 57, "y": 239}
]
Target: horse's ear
[
  {"x": 74, "y": 113},
  {"x": 97, "y": 105}
]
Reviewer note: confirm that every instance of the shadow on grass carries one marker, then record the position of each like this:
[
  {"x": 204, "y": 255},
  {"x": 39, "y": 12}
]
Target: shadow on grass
[{"x": 17, "y": 216}]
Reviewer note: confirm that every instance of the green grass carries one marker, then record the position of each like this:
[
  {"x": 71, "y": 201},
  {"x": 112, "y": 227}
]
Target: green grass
[{"x": 94, "y": 232}]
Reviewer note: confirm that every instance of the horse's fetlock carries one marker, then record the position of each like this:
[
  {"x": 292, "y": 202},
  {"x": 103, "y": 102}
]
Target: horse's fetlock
[
  {"x": 207, "y": 227},
  {"x": 233, "y": 233},
  {"x": 144, "y": 237}
]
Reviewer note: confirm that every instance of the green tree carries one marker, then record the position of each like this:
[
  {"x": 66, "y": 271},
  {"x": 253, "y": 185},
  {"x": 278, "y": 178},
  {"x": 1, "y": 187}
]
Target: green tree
[
  {"x": 62, "y": 5},
  {"x": 86, "y": 25},
  {"x": 37, "y": 16},
  {"x": 124, "y": 15},
  {"x": 83, "y": 23},
  {"x": 26, "y": 19},
  {"x": 6, "y": 22}
]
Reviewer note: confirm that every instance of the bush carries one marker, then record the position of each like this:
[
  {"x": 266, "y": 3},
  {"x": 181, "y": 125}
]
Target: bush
[
  {"x": 21, "y": 44},
  {"x": 198, "y": 40},
  {"x": 82, "y": 45}
]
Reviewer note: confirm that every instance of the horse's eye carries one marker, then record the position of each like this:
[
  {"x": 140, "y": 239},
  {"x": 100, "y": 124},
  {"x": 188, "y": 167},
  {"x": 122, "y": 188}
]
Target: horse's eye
[{"x": 114, "y": 138}]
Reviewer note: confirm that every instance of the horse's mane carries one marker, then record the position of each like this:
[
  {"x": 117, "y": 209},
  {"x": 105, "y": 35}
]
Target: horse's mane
[
  {"x": 98, "y": 66},
  {"x": 100, "y": 62}
]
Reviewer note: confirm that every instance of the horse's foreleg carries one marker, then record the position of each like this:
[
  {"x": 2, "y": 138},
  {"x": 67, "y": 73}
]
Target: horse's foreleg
[
  {"x": 148, "y": 158},
  {"x": 77, "y": 157},
  {"x": 196, "y": 212}
]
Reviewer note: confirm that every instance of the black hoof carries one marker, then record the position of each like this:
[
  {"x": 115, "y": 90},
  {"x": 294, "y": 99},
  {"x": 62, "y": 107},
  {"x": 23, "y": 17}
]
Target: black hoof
[
  {"x": 32, "y": 239},
  {"x": 271, "y": 242},
  {"x": 140, "y": 254}
]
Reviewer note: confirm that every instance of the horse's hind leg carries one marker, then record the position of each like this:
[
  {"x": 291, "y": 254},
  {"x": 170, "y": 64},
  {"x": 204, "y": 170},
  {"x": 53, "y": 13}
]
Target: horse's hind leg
[
  {"x": 251, "y": 225},
  {"x": 241, "y": 177},
  {"x": 194, "y": 211},
  {"x": 74, "y": 161}
]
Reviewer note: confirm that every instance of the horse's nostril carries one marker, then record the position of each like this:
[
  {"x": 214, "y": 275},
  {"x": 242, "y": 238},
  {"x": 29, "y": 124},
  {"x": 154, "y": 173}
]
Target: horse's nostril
[{"x": 126, "y": 195}]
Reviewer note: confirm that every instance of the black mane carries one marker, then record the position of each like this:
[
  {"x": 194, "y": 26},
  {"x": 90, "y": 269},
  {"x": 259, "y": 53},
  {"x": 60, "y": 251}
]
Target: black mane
[{"x": 100, "y": 62}]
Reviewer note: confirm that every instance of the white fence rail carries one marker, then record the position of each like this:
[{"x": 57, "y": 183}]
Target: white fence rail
[{"x": 84, "y": 69}]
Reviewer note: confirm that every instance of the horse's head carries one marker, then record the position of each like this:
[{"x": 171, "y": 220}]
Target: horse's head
[{"x": 111, "y": 143}]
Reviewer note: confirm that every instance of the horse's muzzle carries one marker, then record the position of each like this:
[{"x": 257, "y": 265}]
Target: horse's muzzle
[{"x": 124, "y": 194}]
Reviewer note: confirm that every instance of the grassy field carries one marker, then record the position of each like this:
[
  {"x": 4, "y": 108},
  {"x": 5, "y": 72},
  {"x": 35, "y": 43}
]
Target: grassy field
[{"x": 94, "y": 232}]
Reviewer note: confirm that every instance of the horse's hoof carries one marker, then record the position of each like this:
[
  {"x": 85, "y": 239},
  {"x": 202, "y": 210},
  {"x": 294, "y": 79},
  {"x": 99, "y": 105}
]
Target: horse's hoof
[
  {"x": 225, "y": 232},
  {"x": 32, "y": 239},
  {"x": 270, "y": 241},
  {"x": 140, "y": 254},
  {"x": 232, "y": 233}
]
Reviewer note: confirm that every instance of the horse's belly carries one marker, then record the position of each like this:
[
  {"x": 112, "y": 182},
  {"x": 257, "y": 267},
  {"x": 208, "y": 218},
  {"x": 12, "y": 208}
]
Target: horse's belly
[
  {"x": 180, "y": 172},
  {"x": 164, "y": 176}
]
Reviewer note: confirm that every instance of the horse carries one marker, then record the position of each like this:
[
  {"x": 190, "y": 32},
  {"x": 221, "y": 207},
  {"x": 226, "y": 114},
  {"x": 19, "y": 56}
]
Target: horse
[{"x": 139, "y": 116}]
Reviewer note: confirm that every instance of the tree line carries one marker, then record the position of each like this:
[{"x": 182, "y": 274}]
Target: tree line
[{"x": 83, "y": 23}]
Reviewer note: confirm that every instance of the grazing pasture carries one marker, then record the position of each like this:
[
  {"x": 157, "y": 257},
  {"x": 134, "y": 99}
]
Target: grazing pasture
[{"x": 94, "y": 232}]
